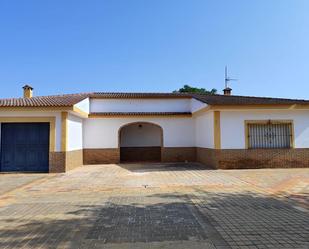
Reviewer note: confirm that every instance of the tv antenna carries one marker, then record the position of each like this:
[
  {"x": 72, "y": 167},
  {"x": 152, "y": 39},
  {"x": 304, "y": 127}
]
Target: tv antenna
[{"x": 227, "y": 78}]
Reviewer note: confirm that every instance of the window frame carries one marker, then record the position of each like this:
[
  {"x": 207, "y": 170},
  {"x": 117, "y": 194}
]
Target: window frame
[{"x": 267, "y": 121}]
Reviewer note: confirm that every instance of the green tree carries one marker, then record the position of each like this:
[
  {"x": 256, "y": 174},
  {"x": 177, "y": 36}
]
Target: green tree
[{"x": 190, "y": 89}]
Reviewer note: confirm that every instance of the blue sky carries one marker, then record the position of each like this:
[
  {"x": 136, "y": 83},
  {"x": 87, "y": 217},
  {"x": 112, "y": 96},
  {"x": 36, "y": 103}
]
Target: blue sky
[{"x": 154, "y": 45}]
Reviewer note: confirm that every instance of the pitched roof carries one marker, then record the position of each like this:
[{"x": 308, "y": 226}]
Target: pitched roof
[
  {"x": 123, "y": 95},
  {"x": 245, "y": 100},
  {"x": 45, "y": 101},
  {"x": 67, "y": 100},
  {"x": 215, "y": 99}
]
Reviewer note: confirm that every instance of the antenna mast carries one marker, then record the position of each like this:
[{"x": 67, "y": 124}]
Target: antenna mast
[{"x": 227, "y": 78}]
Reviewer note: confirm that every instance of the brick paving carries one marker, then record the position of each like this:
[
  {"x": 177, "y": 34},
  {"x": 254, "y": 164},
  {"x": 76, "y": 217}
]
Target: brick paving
[
  {"x": 10, "y": 182},
  {"x": 156, "y": 206}
]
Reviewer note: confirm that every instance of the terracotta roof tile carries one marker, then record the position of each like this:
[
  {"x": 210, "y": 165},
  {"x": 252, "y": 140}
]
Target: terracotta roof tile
[
  {"x": 208, "y": 99},
  {"x": 138, "y": 95},
  {"x": 45, "y": 101},
  {"x": 245, "y": 100},
  {"x": 71, "y": 99}
]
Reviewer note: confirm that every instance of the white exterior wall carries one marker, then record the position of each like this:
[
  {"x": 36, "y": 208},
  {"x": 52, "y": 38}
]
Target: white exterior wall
[
  {"x": 233, "y": 126},
  {"x": 140, "y": 105},
  {"x": 84, "y": 105},
  {"x": 135, "y": 136},
  {"x": 177, "y": 132},
  {"x": 75, "y": 133},
  {"x": 103, "y": 132},
  {"x": 57, "y": 115},
  {"x": 197, "y": 105},
  {"x": 204, "y": 130}
]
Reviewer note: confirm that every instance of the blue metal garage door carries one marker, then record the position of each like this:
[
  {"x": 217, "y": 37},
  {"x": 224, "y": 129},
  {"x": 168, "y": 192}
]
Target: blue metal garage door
[{"x": 24, "y": 147}]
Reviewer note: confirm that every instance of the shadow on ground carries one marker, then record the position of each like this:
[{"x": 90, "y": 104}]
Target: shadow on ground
[{"x": 205, "y": 219}]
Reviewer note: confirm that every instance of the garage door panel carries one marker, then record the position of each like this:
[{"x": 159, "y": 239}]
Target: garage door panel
[
  {"x": 35, "y": 158},
  {"x": 7, "y": 157},
  {"x": 21, "y": 134},
  {"x": 7, "y": 136},
  {"x": 34, "y": 134},
  {"x": 25, "y": 147},
  {"x": 43, "y": 137},
  {"x": 20, "y": 154}
]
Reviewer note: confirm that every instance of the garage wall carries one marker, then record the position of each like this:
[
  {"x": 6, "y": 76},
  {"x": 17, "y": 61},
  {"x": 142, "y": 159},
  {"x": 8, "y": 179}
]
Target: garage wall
[
  {"x": 103, "y": 133},
  {"x": 75, "y": 133},
  {"x": 57, "y": 115},
  {"x": 233, "y": 127}
]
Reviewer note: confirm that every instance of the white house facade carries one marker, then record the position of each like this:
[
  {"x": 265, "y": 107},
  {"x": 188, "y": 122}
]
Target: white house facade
[{"x": 61, "y": 132}]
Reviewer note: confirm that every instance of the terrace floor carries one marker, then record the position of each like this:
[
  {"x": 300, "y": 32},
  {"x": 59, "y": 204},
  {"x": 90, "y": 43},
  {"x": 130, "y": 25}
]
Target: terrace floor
[{"x": 155, "y": 206}]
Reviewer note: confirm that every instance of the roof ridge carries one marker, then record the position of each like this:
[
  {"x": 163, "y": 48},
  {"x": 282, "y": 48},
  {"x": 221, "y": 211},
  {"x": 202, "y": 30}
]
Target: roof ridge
[
  {"x": 142, "y": 112},
  {"x": 167, "y": 93},
  {"x": 127, "y": 95},
  {"x": 64, "y": 95}
]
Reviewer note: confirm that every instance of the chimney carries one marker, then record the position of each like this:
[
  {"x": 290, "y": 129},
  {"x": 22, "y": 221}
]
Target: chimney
[
  {"x": 227, "y": 91},
  {"x": 28, "y": 91}
]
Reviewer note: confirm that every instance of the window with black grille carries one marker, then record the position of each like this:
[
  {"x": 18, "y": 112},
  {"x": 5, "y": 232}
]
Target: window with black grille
[{"x": 269, "y": 135}]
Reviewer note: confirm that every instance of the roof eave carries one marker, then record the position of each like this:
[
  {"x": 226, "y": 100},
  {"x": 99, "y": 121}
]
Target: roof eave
[{"x": 36, "y": 108}]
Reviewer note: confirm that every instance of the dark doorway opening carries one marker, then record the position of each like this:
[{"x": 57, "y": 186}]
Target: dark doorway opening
[{"x": 140, "y": 142}]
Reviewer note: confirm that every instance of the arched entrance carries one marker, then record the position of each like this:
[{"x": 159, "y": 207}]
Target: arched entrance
[{"x": 140, "y": 142}]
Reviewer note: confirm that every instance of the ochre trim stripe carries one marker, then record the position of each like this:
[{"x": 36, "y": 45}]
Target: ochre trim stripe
[
  {"x": 80, "y": 112},
  {"x": 217, "y": 130},
  {"x": 201, "y": 111},
  {"x": 64, "y": 131}
]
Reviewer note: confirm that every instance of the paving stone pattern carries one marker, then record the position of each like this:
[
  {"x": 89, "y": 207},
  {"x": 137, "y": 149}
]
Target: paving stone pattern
[
  {"x": 9, "y": 182},
  {"x": 150, "y": 223},
  {"x": 157, "y": 206},
  {"x": 256, "y": 221}
]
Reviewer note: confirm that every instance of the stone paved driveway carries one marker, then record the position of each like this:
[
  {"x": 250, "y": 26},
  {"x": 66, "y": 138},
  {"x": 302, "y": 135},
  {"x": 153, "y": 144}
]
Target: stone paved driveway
[
  {"x": 156, "y": 206},
  {"x": 10, "y": 182}
]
